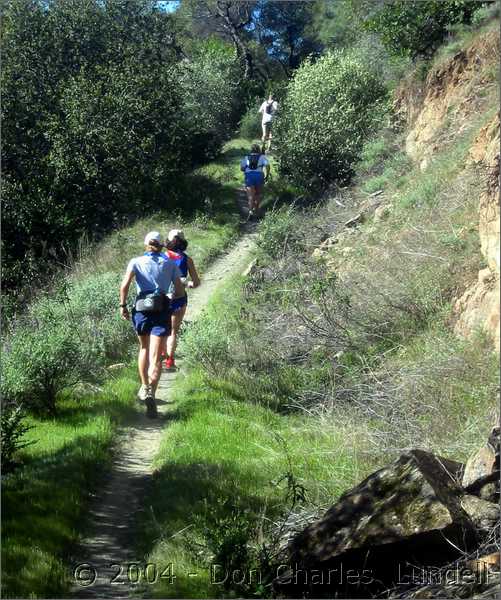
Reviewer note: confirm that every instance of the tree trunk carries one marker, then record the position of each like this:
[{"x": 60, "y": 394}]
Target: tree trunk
[{"x": 232, "y": 28}]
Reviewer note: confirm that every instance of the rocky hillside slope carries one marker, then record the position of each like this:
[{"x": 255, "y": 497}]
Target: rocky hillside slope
[
  {"x": 454, "y": 92},
  {"x": 424, "y": 526}
]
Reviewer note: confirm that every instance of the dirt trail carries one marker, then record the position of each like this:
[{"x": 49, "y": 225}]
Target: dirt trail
[{"x": 107, "y": 552}]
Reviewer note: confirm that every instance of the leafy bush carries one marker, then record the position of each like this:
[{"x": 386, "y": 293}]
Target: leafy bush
[
  {"x": 117, "y": 141},
  {"x": 417, "y": 27},
  {"x": 104, "y": 335},
  {"x": 12, "y": 431},
  {"x": 208, "y": 82},
  {"x": 485, "y": 13},
  {"x": 276, "y": 230},
  {"x": 102, "y": 119},
  {"x": 250, "y": 123},
  {"x": 331, "y": 107},
  {"x": 64, "y": 339},
  {"x": 39, "y": 363}
]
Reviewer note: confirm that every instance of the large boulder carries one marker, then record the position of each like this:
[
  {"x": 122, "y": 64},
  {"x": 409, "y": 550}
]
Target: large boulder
[
  {"x": 413, "y": 512},
  {"x": 481, "y": 474}
]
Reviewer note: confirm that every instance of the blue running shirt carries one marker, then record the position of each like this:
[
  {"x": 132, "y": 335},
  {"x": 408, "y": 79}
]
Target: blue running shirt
[{"x": 153, "y": 270}]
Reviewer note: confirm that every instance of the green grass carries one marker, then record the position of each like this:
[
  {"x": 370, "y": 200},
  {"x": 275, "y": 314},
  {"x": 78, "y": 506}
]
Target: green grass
[
  {"x": 223, "y": 459},
  {"x": 235, "y": 432},
  {"x": 220, "y": 450},
  {"x": 46, "y": 500}
]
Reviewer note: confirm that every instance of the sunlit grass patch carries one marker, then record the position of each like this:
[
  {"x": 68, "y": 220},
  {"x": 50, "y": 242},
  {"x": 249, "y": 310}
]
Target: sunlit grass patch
[
  {"x": 46, "y": 500},
  {"x": 228, "y": 465},
  {"x": 227, "y": 453}
]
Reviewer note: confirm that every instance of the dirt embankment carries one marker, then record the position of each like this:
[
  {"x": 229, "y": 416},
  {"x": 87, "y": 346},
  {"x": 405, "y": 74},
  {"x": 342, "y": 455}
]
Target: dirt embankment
[
  {"x": 479, "y": 306},
  {"x": 454, "y": 95}
]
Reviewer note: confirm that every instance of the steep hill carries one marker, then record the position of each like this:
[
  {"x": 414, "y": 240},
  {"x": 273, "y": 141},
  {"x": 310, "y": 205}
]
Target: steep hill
[
  {"x": 341, "y": 350},
  {"x": 442, "y": 209},
  {"x": 456, "y": 91}
]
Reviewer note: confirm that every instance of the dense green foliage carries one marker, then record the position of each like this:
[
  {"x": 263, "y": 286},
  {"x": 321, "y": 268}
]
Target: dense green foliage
[
  {"x": 45, "y": 356},
  {"x": 209, "y": 85},
  {"x": 283, "y": 28},
  {"x": 417, "y": 27},
  {"x": 102, "y": 113},
  {"x": 330, "y": 108},
  {"x": 13, "y": 433}
]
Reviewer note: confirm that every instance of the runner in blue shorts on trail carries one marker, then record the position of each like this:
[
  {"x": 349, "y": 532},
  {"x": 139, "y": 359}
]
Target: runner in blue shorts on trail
[
  {"x": 256, "y": 170},
  {"x": 155, "y": 275},
  {"x": 176, "y": 246}
]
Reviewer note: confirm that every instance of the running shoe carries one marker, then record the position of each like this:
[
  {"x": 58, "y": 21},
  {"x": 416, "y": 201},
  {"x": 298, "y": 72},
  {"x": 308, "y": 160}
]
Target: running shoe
[
  {"x": 151, "y": 405},
  {"x": 141, "y": 395},
  {"x": 170, "y": 363}
]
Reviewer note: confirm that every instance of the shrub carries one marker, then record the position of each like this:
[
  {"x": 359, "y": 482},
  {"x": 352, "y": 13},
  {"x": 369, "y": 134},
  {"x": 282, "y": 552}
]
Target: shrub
[
  {"x": 208, "y": 82},
  {"x": 40, "y": 363},
  {"x": 486, "y": 13},
  {"x": 92, "y": 128},
  {"x": 66, "y": 338},
  {"x": 276, "y": 230},
  {"x": 229, "y": 530},
  {"x": 103, "y": 334},
  {"x": 117, "y": 140},
  {"x": 417, "y": 27},
  {"x": 330, "y": 108},
  {"x": 102, "y": 119},
  {"x": 12, "y": 431},
  {"x": 250, "y": 124}
]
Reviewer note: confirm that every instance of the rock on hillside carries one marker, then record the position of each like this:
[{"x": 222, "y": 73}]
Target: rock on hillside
[
  {"x": 445, "y": 104},
  {"x": 404, "y": 527},
  {"x": 448, "y": 98},
  {"x": 479, "y": 306}
]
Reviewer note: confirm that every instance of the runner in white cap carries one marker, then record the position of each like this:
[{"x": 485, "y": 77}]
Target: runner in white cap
[{"x": 155, "y": 275}]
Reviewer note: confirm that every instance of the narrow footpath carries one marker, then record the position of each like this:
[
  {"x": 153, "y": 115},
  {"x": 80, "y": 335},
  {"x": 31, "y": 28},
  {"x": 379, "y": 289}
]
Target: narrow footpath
[{"x": 102, "y": 569}]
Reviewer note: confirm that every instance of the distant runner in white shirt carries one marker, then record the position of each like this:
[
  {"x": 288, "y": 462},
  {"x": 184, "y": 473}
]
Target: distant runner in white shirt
[{"x": 268, "y": 109}]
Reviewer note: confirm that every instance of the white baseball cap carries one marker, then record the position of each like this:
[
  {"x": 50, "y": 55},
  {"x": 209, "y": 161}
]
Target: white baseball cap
[
  {"x": 153, "y": 236},
  {"x": 176, "y": 233}
]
